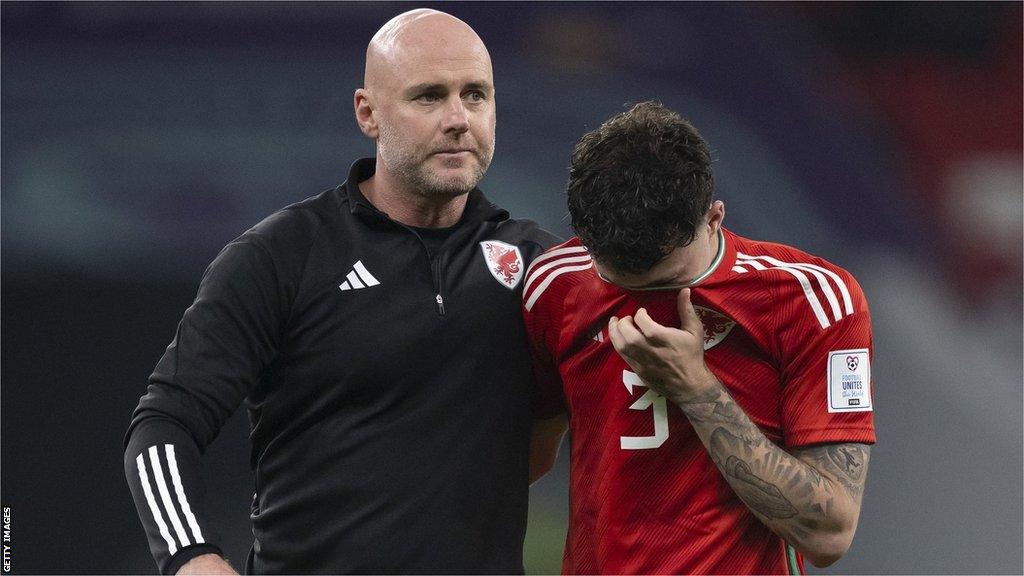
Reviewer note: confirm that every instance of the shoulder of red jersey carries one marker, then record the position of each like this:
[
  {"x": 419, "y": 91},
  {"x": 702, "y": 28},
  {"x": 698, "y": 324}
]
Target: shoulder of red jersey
[
  {"x": 816, "y": 286},
  {"x": 556, "y": 268}
]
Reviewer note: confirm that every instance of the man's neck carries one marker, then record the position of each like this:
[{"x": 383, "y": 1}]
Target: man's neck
[
  {"x": 409, "y": 208},
  {"x": 702, "y": 265}
]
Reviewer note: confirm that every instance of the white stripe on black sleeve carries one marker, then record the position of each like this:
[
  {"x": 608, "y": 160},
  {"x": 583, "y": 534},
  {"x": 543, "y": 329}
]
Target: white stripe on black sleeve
[
  {"x": 179, "y": 490},
  {"x": 172, "y": 548},
  {"x": 165, "y": 496}
]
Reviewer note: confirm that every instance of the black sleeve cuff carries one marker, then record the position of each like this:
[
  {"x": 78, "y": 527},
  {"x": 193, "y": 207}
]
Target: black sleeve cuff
[{"x": 174, "y": 563}]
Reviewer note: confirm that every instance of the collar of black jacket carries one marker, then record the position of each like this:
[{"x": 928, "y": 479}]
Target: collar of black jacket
[{"x": 478, "y": 207}]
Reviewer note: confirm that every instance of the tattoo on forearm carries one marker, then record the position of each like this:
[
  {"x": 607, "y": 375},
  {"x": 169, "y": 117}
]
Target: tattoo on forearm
[
  {"x": 764, "y": 497},
  {"x": 712, "y": 407},
  {"x": 847, "y": 462},
  {"x": 848, "y": 459},
  {"x": 791, "y": 492},
  {"x": 813, "y": 476}
]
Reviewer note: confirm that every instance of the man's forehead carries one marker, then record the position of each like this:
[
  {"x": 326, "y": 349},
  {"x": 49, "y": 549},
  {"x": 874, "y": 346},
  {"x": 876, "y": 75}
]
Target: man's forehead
[
  {"x": 440, "y": 53},
  {"x": 464, "y": 70},
  {"x": 426, "y": 67}
]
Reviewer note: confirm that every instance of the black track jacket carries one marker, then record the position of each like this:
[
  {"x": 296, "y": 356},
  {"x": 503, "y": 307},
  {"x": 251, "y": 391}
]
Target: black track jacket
[{"x": 389, "y": 393}]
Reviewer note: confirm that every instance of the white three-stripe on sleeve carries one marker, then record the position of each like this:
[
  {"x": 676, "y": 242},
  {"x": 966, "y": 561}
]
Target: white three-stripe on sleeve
[
  {"x": 552, "y": 255},
  {"x": 165, "y": 495},
  {"x": 179, "y": 490},
  {"x": 153, "y": 507},
  {"x": 819, "y": 272},
  {"x": 170, "y": 506},
  {"x": 805, "y": 284},
  {"x": 542, "y": 269},
  {"x": 557, "y": 261},
  {"x": 551, "y": 278},
  {"x": 799, "y": 270}
]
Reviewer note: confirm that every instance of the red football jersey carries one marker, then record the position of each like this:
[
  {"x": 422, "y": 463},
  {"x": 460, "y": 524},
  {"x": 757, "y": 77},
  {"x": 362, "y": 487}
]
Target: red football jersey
[{"x": 787, "y": 333}]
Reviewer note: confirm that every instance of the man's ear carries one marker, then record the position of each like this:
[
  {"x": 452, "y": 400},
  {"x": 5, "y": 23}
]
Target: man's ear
[
  {"x": 362, "y": 102},
  {"x": 716, "y": 214}
]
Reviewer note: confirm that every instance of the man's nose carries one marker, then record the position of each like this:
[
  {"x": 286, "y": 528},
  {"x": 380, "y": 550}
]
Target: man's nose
[{"x": 456, "y": 117}]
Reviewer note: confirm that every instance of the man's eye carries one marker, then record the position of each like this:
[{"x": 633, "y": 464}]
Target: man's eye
[
  {"x": 476, "y": 96},
  {"x": 428, "y": 98}
]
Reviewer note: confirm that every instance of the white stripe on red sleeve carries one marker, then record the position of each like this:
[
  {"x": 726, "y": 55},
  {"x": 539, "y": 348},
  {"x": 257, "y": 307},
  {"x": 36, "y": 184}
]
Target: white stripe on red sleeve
[
  {"x": 798, "y": 270},
  {"x": 551, "y": 278}
]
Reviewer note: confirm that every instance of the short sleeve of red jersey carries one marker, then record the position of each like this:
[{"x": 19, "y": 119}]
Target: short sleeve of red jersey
[
  {"x": 541, "y": 321},
  {"x": 824, "y": 339}
]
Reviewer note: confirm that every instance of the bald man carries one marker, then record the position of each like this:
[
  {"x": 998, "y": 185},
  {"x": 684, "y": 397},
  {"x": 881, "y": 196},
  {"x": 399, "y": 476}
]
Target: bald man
[{"x": 373, "y": 332}]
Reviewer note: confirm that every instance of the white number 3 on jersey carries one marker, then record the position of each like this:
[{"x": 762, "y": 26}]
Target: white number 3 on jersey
[{"x": 657, "y": 403}]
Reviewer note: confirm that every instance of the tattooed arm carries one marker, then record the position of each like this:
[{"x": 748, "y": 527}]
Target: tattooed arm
[{"x": 810, "y": 496}]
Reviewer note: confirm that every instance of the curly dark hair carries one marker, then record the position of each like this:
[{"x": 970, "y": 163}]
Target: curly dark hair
[{"x": 639, "y": 186}]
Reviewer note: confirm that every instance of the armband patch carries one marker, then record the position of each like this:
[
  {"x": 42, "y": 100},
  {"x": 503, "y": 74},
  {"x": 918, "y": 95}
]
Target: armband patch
[{"x": 849, "y": 381}]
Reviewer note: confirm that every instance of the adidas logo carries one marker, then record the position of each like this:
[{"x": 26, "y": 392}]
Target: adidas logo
[{"x": 358, "y": 278}]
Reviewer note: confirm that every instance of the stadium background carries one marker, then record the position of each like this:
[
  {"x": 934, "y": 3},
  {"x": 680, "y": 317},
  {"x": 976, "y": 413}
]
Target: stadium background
[{"x": 137, "y": 139}]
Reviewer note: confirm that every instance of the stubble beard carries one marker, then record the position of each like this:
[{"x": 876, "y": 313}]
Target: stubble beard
[{"x": 408, "y": 164}]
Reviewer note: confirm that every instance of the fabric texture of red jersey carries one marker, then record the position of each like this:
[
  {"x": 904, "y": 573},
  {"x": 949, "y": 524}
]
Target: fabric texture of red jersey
[{"x": 787, "y": 333}]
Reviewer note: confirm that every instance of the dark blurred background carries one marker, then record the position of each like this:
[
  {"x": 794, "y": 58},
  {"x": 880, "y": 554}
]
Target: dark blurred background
[{"x": 139, "y": 138}]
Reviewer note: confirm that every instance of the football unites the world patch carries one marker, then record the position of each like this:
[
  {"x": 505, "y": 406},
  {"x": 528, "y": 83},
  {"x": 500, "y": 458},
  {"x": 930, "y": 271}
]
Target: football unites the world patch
[
  {"x": 849, "y": 381},
  {"x": 504, "y": 262}
]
